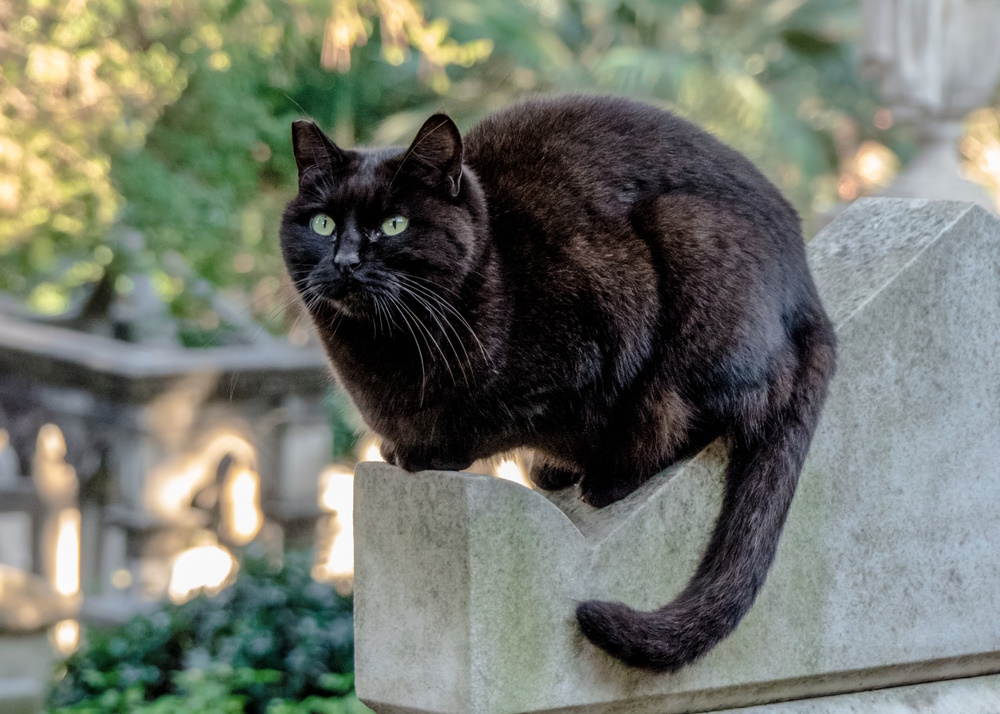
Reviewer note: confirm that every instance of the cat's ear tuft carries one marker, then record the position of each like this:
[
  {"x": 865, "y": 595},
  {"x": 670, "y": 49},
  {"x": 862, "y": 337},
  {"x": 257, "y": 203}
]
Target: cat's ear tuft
[
  {"x": 438, "y": 145},
  {"x": 313, "y": 149}
]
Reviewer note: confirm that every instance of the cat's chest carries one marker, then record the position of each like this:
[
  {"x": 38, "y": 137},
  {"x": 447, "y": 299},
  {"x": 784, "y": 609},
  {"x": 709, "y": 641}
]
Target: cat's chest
[
  {"x": 394, "y": 389},
  {"x": 405, "y": 410}
]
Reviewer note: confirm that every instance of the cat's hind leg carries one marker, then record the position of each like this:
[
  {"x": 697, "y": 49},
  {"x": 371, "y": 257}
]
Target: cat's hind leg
[
  {"x": 549, "y": 476},
  {"x": 635, "y": 449},
  {"x": 604, "y": 483}
]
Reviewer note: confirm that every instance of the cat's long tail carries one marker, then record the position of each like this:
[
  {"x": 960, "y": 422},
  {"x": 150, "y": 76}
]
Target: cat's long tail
[{"x": 761, "y": 477}]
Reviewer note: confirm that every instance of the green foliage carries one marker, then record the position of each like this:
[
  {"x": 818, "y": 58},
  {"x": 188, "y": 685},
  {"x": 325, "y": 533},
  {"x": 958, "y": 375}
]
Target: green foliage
[
  {"x": 221, "y": 690},
  {"x": 276, "y": 641},
  {"x": 190, "y": 142},
  {"x": 74, "y": 85},
  {"x": 774, "y": 78},
  {"x": 172, "y": 118}
]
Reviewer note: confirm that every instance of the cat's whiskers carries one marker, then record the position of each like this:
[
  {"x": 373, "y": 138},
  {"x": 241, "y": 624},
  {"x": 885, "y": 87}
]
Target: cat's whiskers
[
  {"x": 284, "y": 298},
  {"x": 311, "y": 299},
  {"x": 429, "y": 338},
  {"x": 388, "y": 312},
  {"x": 427, "y": 281},
  {"x": 377, "y": 321},
  {"x": 445, "y": 325},
  {"x": 395, "y": 302},
  {"x": 384, "y": 315},
  {"x": 376, "y": 303},
  {"x": 427, "y": 292},
  {"x": 437, "y": 310},
  {"x": 335, "y": 323}
]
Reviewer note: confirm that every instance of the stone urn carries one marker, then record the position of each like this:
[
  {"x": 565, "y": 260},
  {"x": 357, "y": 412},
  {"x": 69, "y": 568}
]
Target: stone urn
[{"x": 935, "y": 61}]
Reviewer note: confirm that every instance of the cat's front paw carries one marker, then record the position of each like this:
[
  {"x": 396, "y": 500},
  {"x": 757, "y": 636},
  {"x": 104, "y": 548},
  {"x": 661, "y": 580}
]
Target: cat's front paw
[
  {"x": 601, "y": 494},
  {"x": 388, "y": 452},
  {"x": 595, "y": 498},
  {"x": 414, "y": 461}
]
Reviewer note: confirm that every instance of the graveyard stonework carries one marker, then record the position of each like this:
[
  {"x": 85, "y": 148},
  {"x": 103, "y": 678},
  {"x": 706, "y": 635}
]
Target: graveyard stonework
[
  {"x": 886, "y": 574},
  {"x": 146, "y": 427}
]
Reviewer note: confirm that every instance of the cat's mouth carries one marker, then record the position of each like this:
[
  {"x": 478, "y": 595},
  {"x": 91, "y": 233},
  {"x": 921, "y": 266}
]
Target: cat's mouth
[{"x": 348, "y": 296}]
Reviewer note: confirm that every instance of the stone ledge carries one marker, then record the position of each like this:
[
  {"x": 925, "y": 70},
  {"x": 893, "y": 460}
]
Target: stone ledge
[
  {"x": 974, "y": 695},
  {"x": 886, "y": 574},
  {"x": 67, "y": 358}
]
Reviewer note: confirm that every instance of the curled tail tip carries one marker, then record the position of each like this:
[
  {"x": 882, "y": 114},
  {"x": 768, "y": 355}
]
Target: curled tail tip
[
  {"x": 626, "y": 634},
  {"x": 600, "y": 622}
]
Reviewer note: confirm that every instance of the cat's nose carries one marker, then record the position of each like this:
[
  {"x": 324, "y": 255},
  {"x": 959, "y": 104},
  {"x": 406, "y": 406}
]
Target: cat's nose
[{"x": 346, "y": 260}]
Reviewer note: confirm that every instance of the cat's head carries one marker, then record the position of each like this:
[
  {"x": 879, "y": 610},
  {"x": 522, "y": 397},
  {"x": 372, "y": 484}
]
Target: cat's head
[{"x": 371, "y": 225}]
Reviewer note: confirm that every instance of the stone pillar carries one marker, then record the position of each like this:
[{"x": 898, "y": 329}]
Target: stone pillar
[
  {"x": 56, "y": 484},
  {"x": 15, "y": 518},
  {"x": 295, "y": 453},
  {"x": 886, "y": 575}
]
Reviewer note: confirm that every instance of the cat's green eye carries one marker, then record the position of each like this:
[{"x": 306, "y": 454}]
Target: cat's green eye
[
  {"x": 322, "y": 224},
  {"x": 395, "y": 225}
]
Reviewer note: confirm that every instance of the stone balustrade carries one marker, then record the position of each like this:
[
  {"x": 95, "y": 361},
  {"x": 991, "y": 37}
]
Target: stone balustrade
[{"x": 147, "y": 427}]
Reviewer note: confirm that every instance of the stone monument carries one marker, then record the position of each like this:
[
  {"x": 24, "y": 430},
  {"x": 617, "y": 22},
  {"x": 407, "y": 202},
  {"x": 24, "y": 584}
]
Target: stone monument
[{"x": 886, "y": 576}]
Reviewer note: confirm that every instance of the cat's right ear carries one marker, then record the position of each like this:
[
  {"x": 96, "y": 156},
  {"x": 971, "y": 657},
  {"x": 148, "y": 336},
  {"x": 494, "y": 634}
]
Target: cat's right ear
[
  {"x": 314, "y": 151},
  {"x": 438, "y": 147}
]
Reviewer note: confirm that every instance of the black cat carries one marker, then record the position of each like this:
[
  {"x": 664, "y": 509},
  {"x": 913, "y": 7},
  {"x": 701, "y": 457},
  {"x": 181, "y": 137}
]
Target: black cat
[{"x": 594, "y": 279}]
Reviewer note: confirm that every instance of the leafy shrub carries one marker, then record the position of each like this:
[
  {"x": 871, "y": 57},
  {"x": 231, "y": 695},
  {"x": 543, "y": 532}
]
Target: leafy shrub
[
  {"x": 276, "y": 642},
  {"x": 220, "y": 690}
]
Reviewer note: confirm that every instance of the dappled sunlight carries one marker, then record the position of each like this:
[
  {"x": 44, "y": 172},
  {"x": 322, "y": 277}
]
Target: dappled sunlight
[
  {"x": 510, "y": 469},
  {"x": 65, "y": 637},
  {"x": 369, "y": 451},
  {"x": 873, "y": 166},
  {"x": 57, "y": 485},
  {"x": 981, "y": 150},
  {"x": 402, "y": 26},
  {"x": 54, "y": 478},
  {"x": 205, "y": 568},
  {"x": 66, "y": 559},
  {"x": 173, "y": 485},
  {"x": 242, "y": 517},
  {"x": 335, "y": 531}
]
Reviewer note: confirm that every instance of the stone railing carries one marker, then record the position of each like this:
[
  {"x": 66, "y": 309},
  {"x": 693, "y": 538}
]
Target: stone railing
[
  {"x": 886, "y": 583},
  {"x": 39, "y": 569},
  {"x": 39, "y": 539},
  {"x": 147, "y": 429}
]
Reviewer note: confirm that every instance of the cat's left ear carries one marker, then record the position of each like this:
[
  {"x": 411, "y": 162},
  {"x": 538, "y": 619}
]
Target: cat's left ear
[
  {"x": 314, "y": 149},
  {"x": 438, "y": 146}
]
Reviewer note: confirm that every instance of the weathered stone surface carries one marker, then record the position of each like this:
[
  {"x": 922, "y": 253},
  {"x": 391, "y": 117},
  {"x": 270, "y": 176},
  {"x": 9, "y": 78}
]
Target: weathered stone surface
[
  {"x": 972, "y": 695},
  {"x": 886, "y": 575}
]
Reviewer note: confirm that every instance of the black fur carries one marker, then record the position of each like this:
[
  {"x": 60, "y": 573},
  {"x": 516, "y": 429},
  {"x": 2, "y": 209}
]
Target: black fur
[{"x": 594, "y": 279}]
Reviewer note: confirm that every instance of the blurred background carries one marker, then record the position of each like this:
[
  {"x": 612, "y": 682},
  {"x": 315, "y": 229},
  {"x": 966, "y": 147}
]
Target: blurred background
[{"x": 175, "y": 463}]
